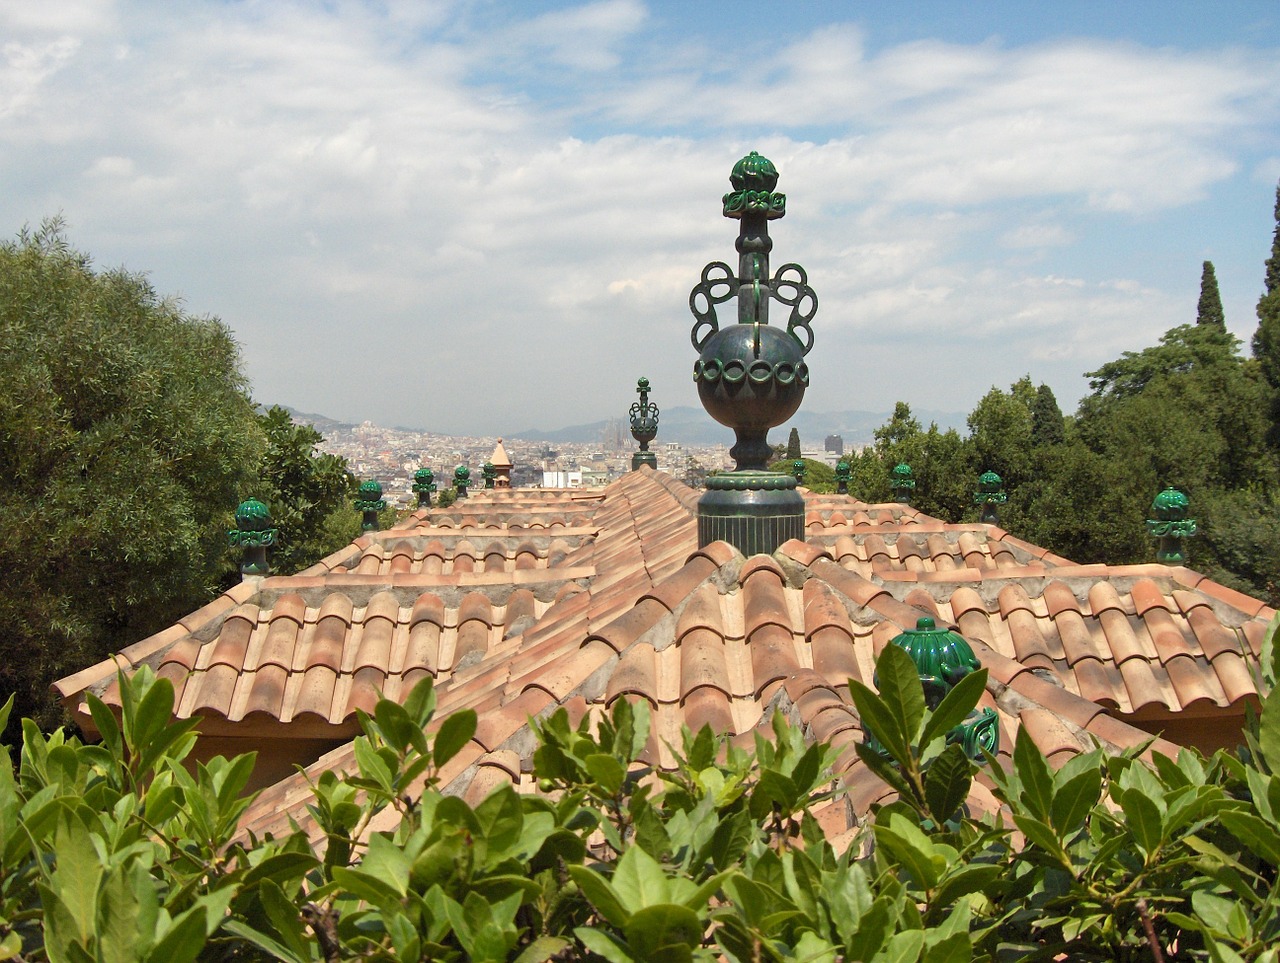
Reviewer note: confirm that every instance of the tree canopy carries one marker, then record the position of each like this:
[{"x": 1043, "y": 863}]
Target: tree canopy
[{"x": 127, "y": 434}]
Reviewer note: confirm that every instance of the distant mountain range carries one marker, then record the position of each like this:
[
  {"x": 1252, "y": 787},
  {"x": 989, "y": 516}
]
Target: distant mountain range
[{"x": 693, "y": 426}]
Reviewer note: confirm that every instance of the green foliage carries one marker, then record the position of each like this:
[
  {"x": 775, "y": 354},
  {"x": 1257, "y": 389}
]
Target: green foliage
[
  {"x": 1046, "y": 419},
  {"x": 120, "y": 851},
  {"x": 793, "y": 445},
  {"x": 1209, "y": 310},
  {"x": 126, "y": 440},
  {"x": 305, "y": 490},
  {"x": 818, "y": 476}
]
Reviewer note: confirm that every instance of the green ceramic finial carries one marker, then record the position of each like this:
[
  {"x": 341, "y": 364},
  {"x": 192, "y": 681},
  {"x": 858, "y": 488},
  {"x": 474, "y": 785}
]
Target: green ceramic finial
[
  {"x": 489, "y": 473},
  {"x": 461, "y": 480},
  {"x": 753, "y": 179},
  {"x": 1171, "y": 525},
  {"x": 424, "y": 483},
  {"x": 990, "y": 493},
  {"x": 369, "y": 502},
  {"x": 254, "y": 533},
  {"x": 902, "y": 482},
  {"x": 844, "y": 475},
  {"x": 798, "y": 469}
]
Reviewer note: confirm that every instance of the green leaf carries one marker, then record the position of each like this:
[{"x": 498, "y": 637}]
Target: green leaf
[
  {"x": 901, "y": 690},
  {"x": 639, "y": 880},
  {"x": 607, "y": 771},
  {"x": 876, "y": 717},
  {"x": 1072, "y": 801},
  {"x": 955, "y": 706},
  {"x": 947, "y": 782},
  {"x": 602, "y": 944},
  {"x": 543, "y": 948},
  {"x": 911, "y": 848},
  {"x": 264, "y": 942},
  {"x": 285, "y": 918},
  {"x": 1143, "y": 818},
  {"x": 600, "y": 895},
  {"x": 1034, "y": 773},
  {"x": 455, "y": 732},
  {"x": 1255, "y": 834},
  {"x": 663, "y": 925},
  {"x": 420, "y": 704},
  {"x": 956, "y": 948},
  {"x": 1269, "y": 730},
  {"x": 1040, "y": 834}
]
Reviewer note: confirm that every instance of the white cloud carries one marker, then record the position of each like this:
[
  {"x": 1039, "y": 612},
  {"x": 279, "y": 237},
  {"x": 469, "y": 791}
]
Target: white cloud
[{"x": 368, "y": 189}]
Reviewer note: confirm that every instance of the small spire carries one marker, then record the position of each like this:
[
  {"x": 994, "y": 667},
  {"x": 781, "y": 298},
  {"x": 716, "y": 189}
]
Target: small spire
[
  {"x": 501, "y": 463},
  {"x": 990, "y": 493},
  {"x": 902, "y": 482},
  {"x": 644, "y": 426},
  {"x": 254, "y": 533},
  {"x": 1171, "y": 526},
  {"x": 369, "y": 502}
]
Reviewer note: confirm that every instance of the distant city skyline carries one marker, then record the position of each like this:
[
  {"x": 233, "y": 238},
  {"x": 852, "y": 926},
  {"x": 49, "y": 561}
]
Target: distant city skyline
[{"x": 488, "y": 215}]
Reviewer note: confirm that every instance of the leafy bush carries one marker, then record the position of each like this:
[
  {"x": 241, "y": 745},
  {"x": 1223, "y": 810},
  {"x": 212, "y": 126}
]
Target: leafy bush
[{"x": 120, "y": 851}]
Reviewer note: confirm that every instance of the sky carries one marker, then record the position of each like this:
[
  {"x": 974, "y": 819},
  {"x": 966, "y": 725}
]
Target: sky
[{"x": 485, "y": 216}]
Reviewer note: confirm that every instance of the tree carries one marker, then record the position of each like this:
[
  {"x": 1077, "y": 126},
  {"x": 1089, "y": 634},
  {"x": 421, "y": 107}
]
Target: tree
[
  {"x": 1266, "y": 340},
  {"x": 304, "y": 489},
  {"x": 793, "y": 444},
  {"x": 126, "y": 436},
  {"x": 1046, "y": 419},
  {"x": 1209, "y": 310}
]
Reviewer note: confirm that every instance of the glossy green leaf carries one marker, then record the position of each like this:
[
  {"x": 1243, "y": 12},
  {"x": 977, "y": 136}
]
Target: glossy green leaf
[
  {"x": 955, "y": 706},
  {"x": 1033, "y": 772},
  {"x": 655, "y": 929},
  {"x": 600, "y": 894},
  {"x": 877, "y": 717},
  {"x": 947, "y": 782},
  {"x": 454, "y": 733},
  {"x": 607, "y": 771},
  {"x": 901, "y": 690},
  {"x": 1073, "y": 800}
]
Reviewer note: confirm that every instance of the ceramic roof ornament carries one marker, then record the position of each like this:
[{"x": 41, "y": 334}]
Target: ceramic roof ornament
[
  {"x": 902, "y": 482},
  {"x": 751, "y": 376},
  {"x": 798, "y": 470},
  {"x": 1171, "y": 525},
  {"x": 369, "y": 502},
  {"x": 461, "y": 480},
  {"x": 502, "y": 466},
  {"x": 844, "y": 475},
  {"x": 489, "y": 473},
  {"x": 424, "y": 483},
  {"x": 990, "y": 493},
  {"x": 644, "y": 426},
  {"x": 254, "y": 533}
]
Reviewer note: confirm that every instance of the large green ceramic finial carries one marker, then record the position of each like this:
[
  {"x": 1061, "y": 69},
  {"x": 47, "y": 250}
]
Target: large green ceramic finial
[
  {"x": 644, "y": 426},
  {"x": 942, "y": 658},
  {"x": 461, "y": 480},
  {"x": 1171, "y": 526},
  {"x": 369, "y": 502},
  {"x": 798, "y": 469},
  {"x": 424, "y": 483},
  {"x": 844, "y": 475},
  {"x": 753, "y": 179},
  {"x": 902, "y": 482},
  {"x": 489, "y": 473},
  {"x": 752, "y": 376},
  {"x": 990, "y": 493},
  {"x": 254, "y": 533}
]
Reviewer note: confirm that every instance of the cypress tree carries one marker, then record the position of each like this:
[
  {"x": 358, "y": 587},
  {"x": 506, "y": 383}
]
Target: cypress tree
[
  {"x": 1266, "y": 340},
  {"x": 1209, "y": 310},
  {"x": 793, "y": 444},
  {"x": 1046, "y": 419}
]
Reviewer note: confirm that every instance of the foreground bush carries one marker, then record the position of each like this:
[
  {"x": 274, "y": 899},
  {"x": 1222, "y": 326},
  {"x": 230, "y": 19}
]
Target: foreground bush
[{"x": 118, "y": 852}]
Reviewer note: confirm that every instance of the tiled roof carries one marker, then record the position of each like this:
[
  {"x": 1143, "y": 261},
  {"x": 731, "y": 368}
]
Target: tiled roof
[{"x": 515, "y": 617}]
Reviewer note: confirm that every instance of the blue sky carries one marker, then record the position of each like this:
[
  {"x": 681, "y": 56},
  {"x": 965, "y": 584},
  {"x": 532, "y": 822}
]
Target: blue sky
[{"x": 486, "y": 216}]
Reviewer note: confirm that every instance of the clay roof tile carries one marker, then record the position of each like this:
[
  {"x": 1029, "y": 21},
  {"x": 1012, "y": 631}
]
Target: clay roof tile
[
  {"x": 338, "y": 605},
  {"x": 1146, "y": 596},
  {"x": 1058, "y": 598}
]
